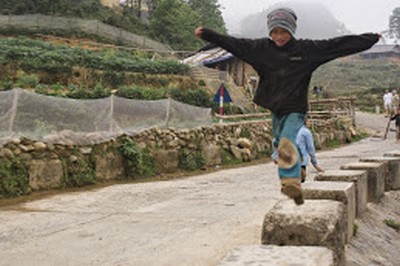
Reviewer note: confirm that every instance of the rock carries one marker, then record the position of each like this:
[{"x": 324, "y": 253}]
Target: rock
[
  {"x": 17, "y": 151},
  {"x": 86, "y": 150},
  {"x": 236, "y": 152},
  {"x": 45, "y": 174},
  {"x": 246, "y": 155},
  {"x": 39, "y": 146},
  {"x": 8, "y": 153},
  {"x": 109, "y": 165},
  {"x": 238, "y": 131},
  {"x": 212, "y": 155},
  {"x": 244, "y": 143},
  {"x": 73, "y": 158},
  {"x": 167, "y": 160}
]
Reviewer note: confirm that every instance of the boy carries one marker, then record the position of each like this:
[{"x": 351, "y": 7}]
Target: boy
[{"x": 285, "y": 65}]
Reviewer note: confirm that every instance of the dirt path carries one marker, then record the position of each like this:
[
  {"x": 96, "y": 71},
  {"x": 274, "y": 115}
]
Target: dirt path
[{"x": 192, "y": 221}]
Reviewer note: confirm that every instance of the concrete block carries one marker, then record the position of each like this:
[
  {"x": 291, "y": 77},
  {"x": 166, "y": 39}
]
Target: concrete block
[
  {"x": 376, "y": 173},
  {"x": 359, "y": 178},
  {"x": 271, "y": 255},
  {"x": 392, "y": 181},
  {"x": 345, "y": 192},
  {"x": 395, "y": 153},
  {"x": 315, "y": 223}
]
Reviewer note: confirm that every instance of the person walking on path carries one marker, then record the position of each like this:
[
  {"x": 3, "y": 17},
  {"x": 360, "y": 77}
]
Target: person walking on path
[
  {"x": 285, "y": 65},
  {"x": 387, "y": 103}
]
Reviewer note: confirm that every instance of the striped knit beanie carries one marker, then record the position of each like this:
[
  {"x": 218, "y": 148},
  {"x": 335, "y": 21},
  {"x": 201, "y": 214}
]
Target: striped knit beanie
[{"x": 282, "y": 18}]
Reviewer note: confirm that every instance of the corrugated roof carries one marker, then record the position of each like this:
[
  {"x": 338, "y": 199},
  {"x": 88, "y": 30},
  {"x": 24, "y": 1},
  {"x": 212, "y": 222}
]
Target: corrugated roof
[
  {"x": 383, "y": 48},
  {"x": 208, "y": 57}
]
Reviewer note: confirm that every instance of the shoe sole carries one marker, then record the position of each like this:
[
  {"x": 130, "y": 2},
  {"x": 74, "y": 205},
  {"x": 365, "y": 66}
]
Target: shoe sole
[{"x": 294, "y": 193}]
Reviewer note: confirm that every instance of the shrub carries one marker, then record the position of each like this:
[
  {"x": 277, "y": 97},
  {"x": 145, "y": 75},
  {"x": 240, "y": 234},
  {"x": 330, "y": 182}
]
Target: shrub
[
  {"x": 138, "y": 163},
  {"x": 130, "y": 92},
  {"x": 14, "y": 179},
  {"x": 191, "y": 160},
  {"x": 79, "y": 92},
  {"x": 228, "y": 158},
  {"x": 79, "y": 173},
  {"x": 6, "y": 84},
  {"x": 26, "y": 80},
  {"x": 192, "y": 97}
]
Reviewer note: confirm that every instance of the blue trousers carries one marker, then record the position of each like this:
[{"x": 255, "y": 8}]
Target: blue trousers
[{"x": 287, "y": 126}]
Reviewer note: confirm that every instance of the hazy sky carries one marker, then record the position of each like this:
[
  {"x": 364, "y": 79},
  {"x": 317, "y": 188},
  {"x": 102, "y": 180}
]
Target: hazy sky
[{"x": 358, "y": 15}]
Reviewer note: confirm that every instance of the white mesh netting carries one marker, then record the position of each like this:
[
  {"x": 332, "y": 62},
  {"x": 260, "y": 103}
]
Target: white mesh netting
[{"x": 84, "y": 122}]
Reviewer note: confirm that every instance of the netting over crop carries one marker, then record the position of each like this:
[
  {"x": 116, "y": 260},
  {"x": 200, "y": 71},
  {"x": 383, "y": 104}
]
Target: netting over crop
[{"x": 84, "y": 122}]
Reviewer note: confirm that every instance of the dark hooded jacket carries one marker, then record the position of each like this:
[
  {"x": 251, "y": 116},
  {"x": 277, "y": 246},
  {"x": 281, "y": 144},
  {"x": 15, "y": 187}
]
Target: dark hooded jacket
[{"x": 285, "y": 72}]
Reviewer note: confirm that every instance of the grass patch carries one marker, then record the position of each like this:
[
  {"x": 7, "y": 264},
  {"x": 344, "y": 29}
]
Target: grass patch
[
  {"x": 333, "y": 144},
  {"x": 355, "y": 229},
  {"x": 228, "y": 158},
  {"x": 392, "y": 224}
]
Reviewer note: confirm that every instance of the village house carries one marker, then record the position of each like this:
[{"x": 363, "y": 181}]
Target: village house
[
  {"x": 382, "y": 51},
  {"x": 217, "y": 58}
]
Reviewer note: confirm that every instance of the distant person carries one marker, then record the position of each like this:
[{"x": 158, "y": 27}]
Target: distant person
[
  {"x": 396, "y": 117},
  {"x": 317, "y": 91},
  {"x": 285, "y": 65},
  {"x": 387, "y": 103}
]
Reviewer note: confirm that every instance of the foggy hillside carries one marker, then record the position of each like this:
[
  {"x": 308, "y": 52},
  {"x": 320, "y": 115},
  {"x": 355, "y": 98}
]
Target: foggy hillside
[{"x": 314, "y": 21}]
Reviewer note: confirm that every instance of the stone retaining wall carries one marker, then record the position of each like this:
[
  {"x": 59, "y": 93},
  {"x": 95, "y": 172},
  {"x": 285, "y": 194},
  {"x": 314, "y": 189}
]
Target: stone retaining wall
[{"x": 50, "y": 166}]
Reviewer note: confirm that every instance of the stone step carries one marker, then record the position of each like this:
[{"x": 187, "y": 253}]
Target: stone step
[
  {"x": 270, "y": 255},
  {"x": 395, "y": 153},
  {"x": 376, "y": 172},
  {"x": 359, "y": 178},
  {"x": 315, "y": 223},
  {"x": 344, "y": 192},
  {"x": 392, "y": 180}
]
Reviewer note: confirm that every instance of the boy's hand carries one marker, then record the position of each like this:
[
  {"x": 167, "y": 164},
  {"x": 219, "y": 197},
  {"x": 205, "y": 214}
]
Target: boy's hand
[
  {"x": 199, "y": 32},
  {"x": 318, "y": 168}
]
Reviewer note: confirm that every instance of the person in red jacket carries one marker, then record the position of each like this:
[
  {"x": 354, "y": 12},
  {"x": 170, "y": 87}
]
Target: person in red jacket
[{"x": 285, "y": 65}]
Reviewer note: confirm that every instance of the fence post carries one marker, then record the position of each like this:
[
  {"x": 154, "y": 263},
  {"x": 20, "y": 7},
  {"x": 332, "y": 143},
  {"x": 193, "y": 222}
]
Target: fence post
[
  {"x": 111, "y": 116},
  {"x": 14, "y": 109},
  {"x": 167, "y": 117}
]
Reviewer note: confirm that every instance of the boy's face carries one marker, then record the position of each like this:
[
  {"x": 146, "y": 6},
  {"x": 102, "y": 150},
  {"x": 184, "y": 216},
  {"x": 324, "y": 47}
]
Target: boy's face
[{"x": 280, "y": 36}]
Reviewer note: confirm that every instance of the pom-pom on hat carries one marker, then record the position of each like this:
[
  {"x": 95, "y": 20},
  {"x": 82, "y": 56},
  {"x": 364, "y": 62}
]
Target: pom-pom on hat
[{"x": 282, "y": 18}]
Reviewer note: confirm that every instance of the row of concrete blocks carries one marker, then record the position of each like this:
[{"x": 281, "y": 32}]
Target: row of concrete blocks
[{"x": 316, "y": 233}]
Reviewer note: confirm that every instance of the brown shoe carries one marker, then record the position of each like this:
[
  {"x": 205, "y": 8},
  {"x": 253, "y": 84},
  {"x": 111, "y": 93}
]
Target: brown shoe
[{"x": 291, "y": 187}]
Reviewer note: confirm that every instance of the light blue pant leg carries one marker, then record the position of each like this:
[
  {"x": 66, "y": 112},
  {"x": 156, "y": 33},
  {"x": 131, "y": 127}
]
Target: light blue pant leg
[{"x": 287, "y": 127}]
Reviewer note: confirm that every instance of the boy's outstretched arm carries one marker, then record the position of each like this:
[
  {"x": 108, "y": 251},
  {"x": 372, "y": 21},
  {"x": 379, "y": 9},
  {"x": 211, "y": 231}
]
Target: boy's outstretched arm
[
  {"x": 240, "y": 47},
  {"x": 326, "y": 50}
]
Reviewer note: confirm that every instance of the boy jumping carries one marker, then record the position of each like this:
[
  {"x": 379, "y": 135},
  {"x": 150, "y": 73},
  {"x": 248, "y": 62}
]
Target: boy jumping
[{"x": 285, "y": 65}]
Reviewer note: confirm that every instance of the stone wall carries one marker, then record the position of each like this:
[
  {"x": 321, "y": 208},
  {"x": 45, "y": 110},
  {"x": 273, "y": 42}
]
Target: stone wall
[{"x": 49, "y": 166}]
